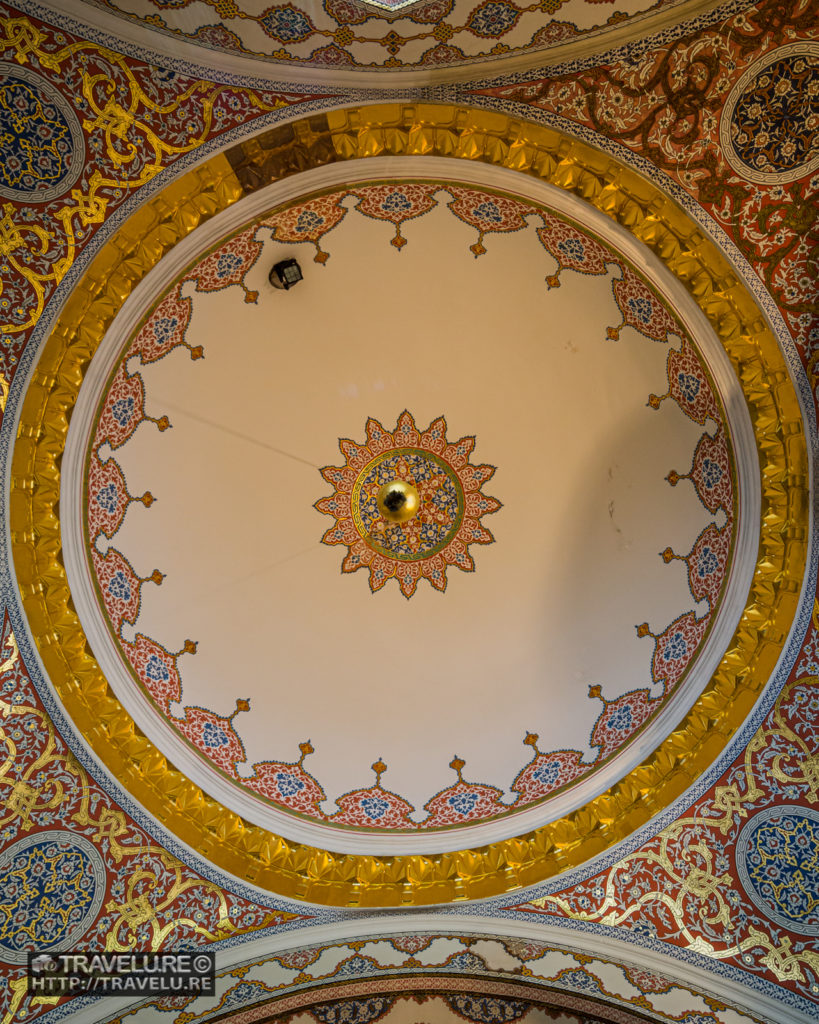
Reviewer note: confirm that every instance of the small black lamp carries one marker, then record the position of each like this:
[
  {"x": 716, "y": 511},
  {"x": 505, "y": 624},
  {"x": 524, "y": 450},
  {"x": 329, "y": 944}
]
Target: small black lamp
[{"x": 285, "y": 274}]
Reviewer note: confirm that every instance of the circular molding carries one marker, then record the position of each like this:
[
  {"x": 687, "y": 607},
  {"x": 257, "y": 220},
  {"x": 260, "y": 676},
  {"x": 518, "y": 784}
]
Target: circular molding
[
  {"x": 19, "y": 880},
  {"x": 790, "y": 844},
  {"x": 316, "y": 875},
  {"x": 71, "y": 162},
  {"x": 778, "y": 121},
  {"x": 281, "y": 195}
]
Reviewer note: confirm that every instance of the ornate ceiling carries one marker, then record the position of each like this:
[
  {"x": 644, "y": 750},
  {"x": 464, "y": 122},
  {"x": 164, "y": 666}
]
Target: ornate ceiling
[
  {"x": 413, "y": 41},
  {"x": 250, "y": 693}
]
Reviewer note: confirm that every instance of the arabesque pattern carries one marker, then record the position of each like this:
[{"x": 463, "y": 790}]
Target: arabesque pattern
[{"x": 662, "y": 103}]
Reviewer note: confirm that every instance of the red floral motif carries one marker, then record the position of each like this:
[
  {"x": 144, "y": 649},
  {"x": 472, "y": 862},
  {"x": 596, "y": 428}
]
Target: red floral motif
[
  {"x": 164, "y": 330},
  {"x": 548, "y": 772},
  {"x": 708, "y": 562},
  {"x": 308, "y": 222},
  {"x": 214, "y": 736},
  {"x": 465, "y": 801},
  {"x": 572, "y": 249},
  {"x": 646, "y": 981},
  {"x": 411, "y": 944},
  {"x": 524, "y": 950},
  {"x": 156, "y": 670},
  {"x": 288, "y": 785},
  {"x": 108, "y": 497},
  {"x": 674, "y": 647},
  {"x": 621, "y": 719},
  {"x": 397, "y": 204},
  {"x": 374, "y": 808},
  {"x": 123, "y": 411},
  {"x": 228, "y": 265},
  {"x": 441, "y": 56},
  {"x": 688, "y": 386},
  {"x": 487, "y": 213},
  {"x": 711, "y": 474},
  {"x": 119, "y": 586},
  {"x": 435, "y": 529},
  {"x": 641, "y": 308}
]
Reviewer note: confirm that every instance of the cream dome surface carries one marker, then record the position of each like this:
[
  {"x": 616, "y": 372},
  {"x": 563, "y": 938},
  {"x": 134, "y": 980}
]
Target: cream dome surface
[{"x": 565, "y": 591}]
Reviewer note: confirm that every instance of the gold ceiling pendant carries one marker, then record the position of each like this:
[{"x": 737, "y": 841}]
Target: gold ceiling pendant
[
  {"x": 398, "y": 501},
  {"x": 248, "y": 851}
]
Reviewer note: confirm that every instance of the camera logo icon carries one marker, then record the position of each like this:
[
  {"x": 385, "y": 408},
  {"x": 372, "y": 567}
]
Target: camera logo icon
[{"x": 44, "y": 963}]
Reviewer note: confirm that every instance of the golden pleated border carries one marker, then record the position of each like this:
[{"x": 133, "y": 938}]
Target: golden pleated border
[{"x": 179, "y": 805}]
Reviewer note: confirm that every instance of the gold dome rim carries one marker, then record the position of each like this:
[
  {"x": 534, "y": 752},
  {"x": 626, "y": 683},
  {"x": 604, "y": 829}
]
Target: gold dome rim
[{"x": 321, "y": 876}]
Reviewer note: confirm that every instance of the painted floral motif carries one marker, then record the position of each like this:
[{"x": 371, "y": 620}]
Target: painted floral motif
[
  {"x": 773, "y": 117},
  {"x": 40, "y": 136},
  {"x": 778, "y": 861},
  {"x": 50, "y": 891},
  {"x": 287, "y": 24},
  {"x": 390, "y": 33},
  {"x": 451, "y": 504}
]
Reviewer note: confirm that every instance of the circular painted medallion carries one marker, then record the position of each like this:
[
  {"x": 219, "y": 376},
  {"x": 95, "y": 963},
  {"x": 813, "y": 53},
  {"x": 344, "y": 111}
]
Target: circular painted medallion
[
  {"x": 408, "y": 504},
  {"x": 770, "y": 123},
  {"x": 52, "y": 886},
  {"x": 778, "y": 863},
  {"x": 43, "y": 149}
]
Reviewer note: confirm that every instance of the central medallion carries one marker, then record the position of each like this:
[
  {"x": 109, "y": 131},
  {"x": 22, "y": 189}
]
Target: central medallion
[{"x": 413, "y": 506}]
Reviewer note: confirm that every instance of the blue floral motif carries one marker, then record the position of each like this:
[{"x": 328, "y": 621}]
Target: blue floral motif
[
  {"x": 548, "y": 773},
  {"x": 286, "y": 23},
  {"x": 36, "y": 139},
  {"x": 396, "y": 202},
  {"x": 675, "y": 648},
  {"x": 122, "y": 410},
  {"x": 374, "y": 808},
  {"x": 307, "y": 221},
  {"x": 493, "y": 19},
  {"x": 621, "y": 718},
  {"x": 580, "y": 980},
  {"x": 711, "y": 473},
  {"x": 463, "y": 803},
  {"x": 119, "y": 587},
  {"x": 488, "y": 211},
  {"x": 157, "y": 670},
  {"x": 573, "y": 248},
  {"x": 287, "y": 784},
  {"x": 355, "y": 965},
  {"x": 227, "y": 264},
  {"x": 164, "y": 328},
  {"x": 642, "y": 309},
  {"x": 213, "y": 736},
  {"x": 689, "y": 386},
  {"x": 107, "y": 498},
  {"x": 708, "y": 563},
  {"x": 778, "y": 861},
  {"x": 50, "y": 890},
  {"x": 487, "y": 1009},
  {"x": 432, "y": 536}
]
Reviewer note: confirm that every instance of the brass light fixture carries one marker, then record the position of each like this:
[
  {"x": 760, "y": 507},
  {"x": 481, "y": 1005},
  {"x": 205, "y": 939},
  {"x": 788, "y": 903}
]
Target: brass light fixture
[{"x": 398, "y": 501}]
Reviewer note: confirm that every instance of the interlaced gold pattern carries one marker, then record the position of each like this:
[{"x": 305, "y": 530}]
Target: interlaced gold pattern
[{"x": 407, "y": 129}]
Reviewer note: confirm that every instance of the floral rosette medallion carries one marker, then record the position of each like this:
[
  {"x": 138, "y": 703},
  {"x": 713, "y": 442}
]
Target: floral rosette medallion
[{"x": 407, "y": 504}]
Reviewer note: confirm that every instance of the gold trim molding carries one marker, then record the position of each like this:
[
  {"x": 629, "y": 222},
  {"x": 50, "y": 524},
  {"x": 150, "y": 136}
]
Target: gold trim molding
[{"x": 320, "y": 876}]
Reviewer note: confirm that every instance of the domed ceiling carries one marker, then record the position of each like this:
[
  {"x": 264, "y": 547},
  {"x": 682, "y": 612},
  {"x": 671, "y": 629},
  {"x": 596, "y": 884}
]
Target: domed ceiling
[
  {"x": 342, "y": 674},
  {"x": 414, "y": 39},
  {"x": 475, "y": 571}
]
